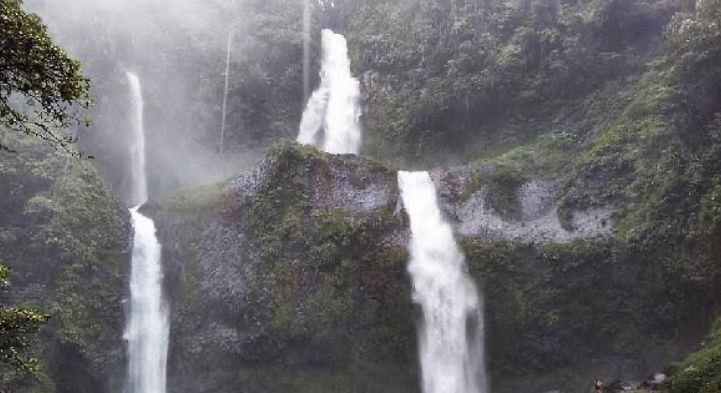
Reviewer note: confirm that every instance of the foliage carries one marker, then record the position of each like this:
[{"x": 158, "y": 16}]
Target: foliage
[
  {"x": 659, "y": 159},
  {"x": 694, "y": 42},
  {"x": 554, "y": 311},
  {"x": 36, "y": 70},
  {"x": 446, "y": 77},
  {"x": 194, "y": 198},
  {"x": 320, "y": 260},
  {"x": 66, "y": 238},
  {"x": 319, "y": 380},
  {"x": 18, "y": 325},
  {"x": 701, "y": 371}
]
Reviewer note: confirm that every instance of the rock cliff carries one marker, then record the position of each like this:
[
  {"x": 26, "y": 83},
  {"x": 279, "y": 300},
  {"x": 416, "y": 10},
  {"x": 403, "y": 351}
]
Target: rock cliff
[{"x": 291, "y": 277}]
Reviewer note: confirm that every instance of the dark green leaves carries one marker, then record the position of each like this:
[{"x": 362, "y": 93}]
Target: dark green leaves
[
  {"x": 17, "y": 326},
  {"x": 41, "y": 88}
]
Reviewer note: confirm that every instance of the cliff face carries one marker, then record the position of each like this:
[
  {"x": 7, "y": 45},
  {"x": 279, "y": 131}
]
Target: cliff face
[
  {"x": 67, "y": 241},
  {"x": 292, "y": 277}
]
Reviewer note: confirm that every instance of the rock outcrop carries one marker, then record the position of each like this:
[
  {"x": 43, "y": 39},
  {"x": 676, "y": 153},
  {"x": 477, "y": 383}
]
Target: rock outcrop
[
  {"x": 291, "y": 272},
  {"x": 295, "y": 271}
]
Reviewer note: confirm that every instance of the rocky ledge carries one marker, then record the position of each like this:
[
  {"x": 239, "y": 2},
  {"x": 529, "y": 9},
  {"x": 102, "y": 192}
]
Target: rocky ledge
[{"x": 294, "y": 271}]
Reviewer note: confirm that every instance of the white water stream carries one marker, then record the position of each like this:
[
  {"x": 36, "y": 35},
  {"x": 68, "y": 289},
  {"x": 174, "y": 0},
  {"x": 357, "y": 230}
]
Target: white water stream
[
  {"x": 306, "y": 48},
  {"x": 225, "y": 92},
  {"x": 451, "y": 342},
  {"x": 334, "y": 107},
  {"x": 139, "y": 183},
  {"x": 147, "y": 326}
]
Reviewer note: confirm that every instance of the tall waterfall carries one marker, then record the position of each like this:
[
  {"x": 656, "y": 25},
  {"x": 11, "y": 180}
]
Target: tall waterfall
[
  {"x": 306, "y": 48},
  {"x": 225, "y": 91},
  {"x": 335, "y": 106},
  {"x": 139, "y": 184},
  {"x": 451, "y": 342},
  {"x": 147, "y": 326}
]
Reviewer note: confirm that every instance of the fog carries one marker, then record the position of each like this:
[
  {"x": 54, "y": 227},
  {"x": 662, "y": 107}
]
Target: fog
[{"x": 178, "y": 48}]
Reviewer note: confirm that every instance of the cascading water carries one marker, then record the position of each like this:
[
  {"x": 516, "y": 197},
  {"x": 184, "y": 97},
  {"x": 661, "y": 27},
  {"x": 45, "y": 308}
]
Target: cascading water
[
  {"x": 451, "y": 336},
  {"x": 306, "y": 48},
  {"x": 225, "y": 91},
  {"x": 313, "y": 117},
  {"x": 139, "y": 183},
  {"x": 147, "y": 327},
  {"x": 335, "y": 106}
]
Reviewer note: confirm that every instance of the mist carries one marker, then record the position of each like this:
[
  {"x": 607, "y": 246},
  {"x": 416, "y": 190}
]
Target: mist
[{"x": 178, "y": 49}]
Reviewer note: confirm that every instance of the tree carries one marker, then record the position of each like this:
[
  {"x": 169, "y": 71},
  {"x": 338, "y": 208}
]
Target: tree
[
  {"x": 17, "y": 326},
  {"x": 694, "y": 42},
  {"x": 41, "y": 87}
]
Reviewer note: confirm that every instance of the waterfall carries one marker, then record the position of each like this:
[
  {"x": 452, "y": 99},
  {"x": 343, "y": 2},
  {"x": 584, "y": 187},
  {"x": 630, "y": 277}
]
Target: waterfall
[
  {"x": 451, "y": 338},
  {"x": 139, "y": 184},
  {"x": 147, "y": 326},
  {"x": 334, "y": 107},
  {"x": 225, "y": 91},
  {"x": 313, "y": 117},
  {"x": 306, "y": 48}
]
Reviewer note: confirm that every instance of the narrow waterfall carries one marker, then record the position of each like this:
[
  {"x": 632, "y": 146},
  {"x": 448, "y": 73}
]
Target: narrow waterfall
[
  {"x": 313, "y": 117},
  {"x": 306, "y": 48},
  {"x": 225, "y": 91},
  {"x": 335, "y": 106},
  {"x": 147, "y": 326},
  {"x": 139, "y": 183},
  {"x": 451, "y": 342}
]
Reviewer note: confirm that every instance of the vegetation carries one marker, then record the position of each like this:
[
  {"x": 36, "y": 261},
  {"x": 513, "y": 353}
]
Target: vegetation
[
  {"x": 39, "y": 84},
  {"x": 696, "y": 41},
  {"x": 66, "y": 239},
  {"x": 340, "y": 252},
  {"x": 699, "y": 373},
  {"x": 468, "y": 78},
  {"x": 17, "y": 327},
  {"x": 590, "y": 305},
  {"x": 330, "y": 283}
]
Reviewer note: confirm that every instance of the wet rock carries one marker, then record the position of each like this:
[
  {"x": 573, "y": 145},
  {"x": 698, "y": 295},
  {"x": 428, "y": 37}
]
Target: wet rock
[
  {"x": 618, "y": 386},
  {"x": 266, "y": 272},
  {"x": 347, "y": 183},
  {"x": 654, "y": 382},
  {"x": 538, "y": 221}
]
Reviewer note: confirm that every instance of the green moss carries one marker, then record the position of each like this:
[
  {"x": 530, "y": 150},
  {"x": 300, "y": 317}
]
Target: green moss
[
  {"x": 194, "y": 198},
  {"x": 546, "y": 158},
  {"x": 381, "y": 378},
  {"x": 333, "y": 285},
  {"x": 701, "y": 371},
  {"x": 359, "y": 180},
  {"x": 709, "y": 215},
  {"x": 502, "y": 182},
  {"x": 192, "y": 297},
  {"x": 553, "y": 306}
]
